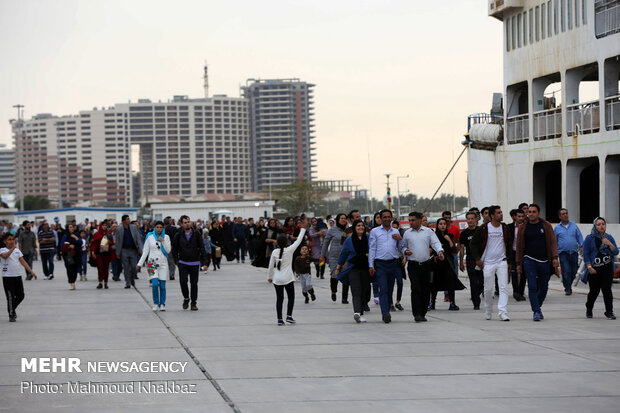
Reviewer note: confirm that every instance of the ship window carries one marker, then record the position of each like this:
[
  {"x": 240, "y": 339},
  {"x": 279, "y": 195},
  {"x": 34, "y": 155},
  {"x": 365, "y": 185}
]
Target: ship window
[
  {"x": 584, "y": 11},
  {"x": 570, "y": 14},
  {"x": 577, "y": 19},
  {"x": 543, "y": 19},
  {"x": 508, "y": 35},
  {"x": 525, "y": 29},
  {"x": 563, "y": 15},
  {"x": 532, "y": 27},
  {"x": 556, "y": 11},
  {"x": 537, "y": 23},
  {"x": 549, "y": 19},
  {"x": 519, "y": 30},
  {"x": 514, "y": 32}
]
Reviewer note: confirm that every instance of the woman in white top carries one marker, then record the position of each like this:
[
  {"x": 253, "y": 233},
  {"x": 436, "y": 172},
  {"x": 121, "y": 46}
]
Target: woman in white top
[
  {"x": 281, "y": 273},
  {"x": 156, "y": 248},
  {"x": 10, "y": 260}
]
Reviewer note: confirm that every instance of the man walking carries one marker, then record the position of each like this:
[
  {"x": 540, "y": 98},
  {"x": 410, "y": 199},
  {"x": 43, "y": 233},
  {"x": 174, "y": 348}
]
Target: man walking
[
  {"x": 384, "y": 244},
  {"x": 476, "y": 278},
  {"x": 536, "y": 249},
  {"x": 239, "y": 231},
  {"x": 170, "y": 230},
  {"x": 129, "y": 246},
  {"x": 47, "y": 248},
  {"x": 189, "y": 254},
  {"x": 569, "y": 241},
  {"x": 518, "y": 283},
  {"x": 490, "y": 248},
  {"x": 27, "y": 243},
  {"x": 416, "y": 245}
]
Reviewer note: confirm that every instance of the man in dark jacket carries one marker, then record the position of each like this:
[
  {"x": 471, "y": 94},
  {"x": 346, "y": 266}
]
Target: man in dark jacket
[
  {"x": 518, "y": 283},
  {"x": 537, "y": 252},
  {"x": 188, "y": 253},
  {"x": 239, "y": 233},
  {"x": 129, "y": 247}
]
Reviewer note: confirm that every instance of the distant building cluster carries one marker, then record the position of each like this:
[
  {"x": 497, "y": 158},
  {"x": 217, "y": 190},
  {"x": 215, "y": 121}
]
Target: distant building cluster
[{"x": 188, "y": 147}]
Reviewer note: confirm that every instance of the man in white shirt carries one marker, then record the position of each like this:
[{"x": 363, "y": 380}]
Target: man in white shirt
[
  {"x": 416, "y": 245},
  {"x": 490, "y": 247}
]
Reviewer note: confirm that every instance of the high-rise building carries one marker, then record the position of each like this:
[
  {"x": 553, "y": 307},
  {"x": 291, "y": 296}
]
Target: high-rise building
[
  {"x": 281, "y": 130},
  {"x": 79, "y": 159},
  {"x": 7, "y": 170}
]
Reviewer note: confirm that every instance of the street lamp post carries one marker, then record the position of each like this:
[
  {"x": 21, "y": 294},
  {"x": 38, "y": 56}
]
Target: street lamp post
[
  {"x": 19, "y": 157},
  {"x": 398, "y": 193}
]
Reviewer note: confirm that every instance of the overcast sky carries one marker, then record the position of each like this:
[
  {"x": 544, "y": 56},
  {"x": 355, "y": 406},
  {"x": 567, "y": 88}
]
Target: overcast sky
[{"x": 393, "y": 78}]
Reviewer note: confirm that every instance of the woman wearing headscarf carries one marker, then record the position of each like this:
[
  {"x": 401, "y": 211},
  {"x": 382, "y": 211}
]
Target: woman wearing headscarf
[
  {"x": 217, "y": 240},
  {"x": 444, "y": 276},
  {"x": 266, "y": 243},
  {"x": 353, "y": 261},
  {"x": 101, "y": 249},
  {"x": 157, "y": 247},
  {"x": 316, "y": 235},
  {"x": 599, "y": 252},
  {"x": 332, "y": 245},
  {"x": 71, "y": 253}
]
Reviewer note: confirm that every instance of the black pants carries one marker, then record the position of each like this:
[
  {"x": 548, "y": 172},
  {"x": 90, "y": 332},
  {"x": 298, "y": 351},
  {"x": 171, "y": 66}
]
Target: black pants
[
  {"x": 476, "y": 283},
  {"x": 601, "y": 281},
  {"x": 72, "y": 270},
  {"x": 420, "y": 278},
  {"x": 518, "y": 286},
  {"x": 14, "y": 291},
  {"x": 359, "y": 281},
  {"x": 333, "y": 283},
  {"x": 320, "y": 269},
  {"x": 216, "y": 260},
  {"x": 290, "y": 296},
  {"x": 192, "y": 271}
]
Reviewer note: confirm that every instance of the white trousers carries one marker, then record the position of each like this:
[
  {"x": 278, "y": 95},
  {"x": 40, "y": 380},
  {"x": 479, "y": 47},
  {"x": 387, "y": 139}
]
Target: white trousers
[{"x": 489, "y": 271}]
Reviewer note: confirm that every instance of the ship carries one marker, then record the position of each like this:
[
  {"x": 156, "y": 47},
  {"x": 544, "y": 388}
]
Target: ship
[{"x": 552, "y": 136}]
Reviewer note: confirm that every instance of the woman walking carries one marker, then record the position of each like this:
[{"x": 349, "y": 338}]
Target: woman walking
[
  {"x": 599, "y": 252},
  {"x": 10, "y": 260},
  {"x": 156, "y": 248},
  {"x": 334, "y": 239},
  {"x": 217, "y": 240},
  {"x": 355, "y": 255},
  {"x": 83, "y": 255},
  {"x": 281, "y": 273},
  {"x": 101, "y": 249},
  {"x": 316, "y": 235},
  {"x": 444, "y": 276},
  {"x": 71, "y": 254}
]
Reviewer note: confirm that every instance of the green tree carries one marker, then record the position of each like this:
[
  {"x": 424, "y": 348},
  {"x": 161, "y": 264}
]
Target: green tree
[
  {"x": 34, "y": 202},
  {"x": 299, "y": 196}
]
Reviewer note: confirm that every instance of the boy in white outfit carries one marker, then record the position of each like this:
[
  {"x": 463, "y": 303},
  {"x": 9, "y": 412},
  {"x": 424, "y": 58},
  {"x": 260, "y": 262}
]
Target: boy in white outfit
[{"x": 11, "y": 258}]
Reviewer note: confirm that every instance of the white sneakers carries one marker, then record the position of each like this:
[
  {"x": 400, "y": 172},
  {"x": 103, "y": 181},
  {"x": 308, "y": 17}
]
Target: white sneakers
[
  {"x": 487, "y": 316},
  {"x": 155, "y": 307},
  {"x": 358, "y": 318},
  {"x": 162, "y": 307},
  {"x": 504, "y": 317}
]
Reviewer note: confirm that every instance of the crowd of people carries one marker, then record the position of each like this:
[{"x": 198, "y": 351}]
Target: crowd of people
[{"x": 366, "y": 257}]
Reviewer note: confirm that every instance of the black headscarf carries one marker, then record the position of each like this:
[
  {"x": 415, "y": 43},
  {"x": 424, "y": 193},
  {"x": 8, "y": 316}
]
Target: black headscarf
[
  {"x": 360, "y": 246},
  {"x": 342, "y": 227}
]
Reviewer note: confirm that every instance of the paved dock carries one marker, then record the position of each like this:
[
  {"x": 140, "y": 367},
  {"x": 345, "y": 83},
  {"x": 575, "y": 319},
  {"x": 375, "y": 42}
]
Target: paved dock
[{"x": 238, "y": 359}]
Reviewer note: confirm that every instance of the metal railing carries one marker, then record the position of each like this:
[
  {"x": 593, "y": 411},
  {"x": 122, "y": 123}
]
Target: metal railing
[
  {"x": 547, "y": 124},
  {"x": 612, "y": 112},
  {"x": 482, "y": 118},
  {"x": 518, "y": 129},
  {"x": 606, "y": 17},
  {"x": 583, "y": 117}
]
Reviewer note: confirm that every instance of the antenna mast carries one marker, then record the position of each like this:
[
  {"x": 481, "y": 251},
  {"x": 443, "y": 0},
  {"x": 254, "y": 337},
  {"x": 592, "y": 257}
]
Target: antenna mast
[{"x": 206, "y": 79}]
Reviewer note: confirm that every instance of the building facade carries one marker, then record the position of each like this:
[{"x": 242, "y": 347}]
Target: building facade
[
  {"x": 7, "y": 170},
  {"x": 282, "y": 131}
]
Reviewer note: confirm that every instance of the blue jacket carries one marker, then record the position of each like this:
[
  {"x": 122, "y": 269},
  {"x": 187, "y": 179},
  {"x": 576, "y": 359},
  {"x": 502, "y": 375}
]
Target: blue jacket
[
  {"x": 590, "y": 251},
  {"x": 569, "y": 239}
]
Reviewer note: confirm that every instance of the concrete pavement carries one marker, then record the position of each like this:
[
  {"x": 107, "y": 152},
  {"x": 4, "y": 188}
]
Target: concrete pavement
[{"x": 239, "y": 360}]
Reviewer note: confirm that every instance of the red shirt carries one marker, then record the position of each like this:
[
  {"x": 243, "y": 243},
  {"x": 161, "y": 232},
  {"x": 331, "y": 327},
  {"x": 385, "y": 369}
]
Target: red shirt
[{"x": 455, "y": 231}]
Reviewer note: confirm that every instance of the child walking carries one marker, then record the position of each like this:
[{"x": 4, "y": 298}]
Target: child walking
[
  {"x": 10, "y": 259},
  {"x": 281, "y": 273},
  {"x": 302, "y": 269}
]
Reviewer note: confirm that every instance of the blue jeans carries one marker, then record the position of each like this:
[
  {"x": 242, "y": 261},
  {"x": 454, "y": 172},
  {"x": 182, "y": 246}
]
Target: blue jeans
[
  {"x": 569, "y": 265},
  {"x": 28, "y": 259},
  {"x": 159, "y": 291},
  {"x": 537, "y": 274},
  {"x": 47, "y": 259},
  {"x": 83, "y": 264},
  {"x": 386, "y": 273}
]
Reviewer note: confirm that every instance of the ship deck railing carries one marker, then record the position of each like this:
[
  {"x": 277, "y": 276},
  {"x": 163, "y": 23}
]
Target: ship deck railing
[
  {"x": 518, "y": 129},
  {"x": 612, "y": 112},
  {"x": 547, "y": 124},
  {"x": 583, "y": 118}
]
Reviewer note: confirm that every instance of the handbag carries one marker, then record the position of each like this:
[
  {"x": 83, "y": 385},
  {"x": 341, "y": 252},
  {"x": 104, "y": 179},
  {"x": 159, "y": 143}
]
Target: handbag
[
  {"x": 218, "y": 252},
  {"x": 92, "y": 262}
]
